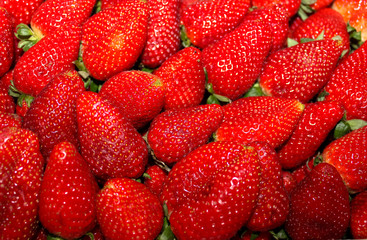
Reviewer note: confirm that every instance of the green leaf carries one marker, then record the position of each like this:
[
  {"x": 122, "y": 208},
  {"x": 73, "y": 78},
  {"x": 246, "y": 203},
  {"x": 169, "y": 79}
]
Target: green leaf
[
  {"x": 305, "y": 40},
  {"x": 308, "y": 2},
  {"x": 222, "y": 98},
  {"x": 356, "y": 123},
  {"x": 302, "y": 14},
  {"x": 149, "y": 70},
  {"x": 321, "y": 35},
  {"x": 212, "y": 100},
  {"x": 146, "y": 176},
  {"x": 209, "y": 87},
  {"x": 322, "y": 96},
  {"x": 341, "y": 129},
  {"x": 255, "y": 91},
  {"x": 291, "y": 42},
  {"x": 184, "y": 39},
  {"x": 167, "y": 233}
]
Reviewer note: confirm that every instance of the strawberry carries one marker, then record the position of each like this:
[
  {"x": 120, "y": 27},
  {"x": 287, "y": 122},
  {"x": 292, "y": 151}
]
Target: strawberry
[
  {"x": 319, "y": 207},
  {"x": 301, "y": 71},
  {"x": 21, "y": 11},
  {"x": 7, "y": 103},
  {"x": 359, "y": 21},
  {"x": 349, "y": 156},
  {"x": 7, "y": 41},
  {"x": 126, "y": 209},
  {"x": 300, "y": 172},
  {"x": 348, "y": 84},
  {"x": 50, "y": 56},
  {"x": 358, "y": 222},
  {"x": 138, "y": 95},
  {"x": 251, "y": 235},
  {"x": 289, "y": 181},
  {"x": 291, "y": 6},
  {"x": 347, "y": 8},
  {"x": 53, "y": 14},
  {"x": 317, "y": 120},
  {"x": 156, "y": 179},
  {"x": 175, "y": 133},
  {"x": 108, "y": 142},
  {"x": 272, "y": 204},
  {"x": 184, "y": 79},
  {"x": 264, "y": 119},
  {"x": 163, "y": 32},
  {"x": 52, "y": 114},
  {"x": 320, "y": 4},
  {"x": 21, "y": 110},
  {"x": 208, "y": 21},
  {"x": 211, "y": 193},
  {"x": 234, "y": 63},
  {"x": 68, "y": 207},
  {"x": 326, "y": 21},
  {"x": 9, "y": 120},
  {"x": 21, "y": 168},
  {"x": 111, "y": 42},
  {"x": 276, "y": 17}
]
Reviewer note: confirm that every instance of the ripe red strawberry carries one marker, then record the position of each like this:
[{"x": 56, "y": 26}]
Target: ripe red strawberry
[
  {"x": 349, "y": 156},
  {"x": 320, "y": 4},
  {"x": 289, "y": 181},
  {"x": 163, "y": 32},
  {"x": 348, "y": 84},
  {"x": 21, "y": 110},
  {"x": 264, "y": 119},
  {"x": 234, "y": 63},
  {"x": 7, "y": 103},
  {"x": 185, "y": 4},
  {"x": 272, "y": 205},
  {"x": 277, "y": 18},
  {"x": 358, "y": 221},
  {"x": 326, "y": 21},
  {"x": 317, "y": 120},
  {"x": 111, "y": 41},
  {"x": 21, "y": 11},
  {"x": 68, "y": 207},
  {"x": 175, "y": 133},
  {"x": 108, "y": 142},
  {"x": 211, "y": 193},
  {"x": 126, "y": 209},
  {"x": 7, "y": 41},
  {"x": 301, "y": 71},
  {"x": 359, "y": 21},
  {"x": 53, "y": 14},
  {"x": 319, "y": 206},
  {"x": 156, "y": 179},
  {"x": 184, "y": 79},
  {"x": 208, "y": 21},
  {"x": 9, "y": 120},
  {"x": 138, "y": 95},
  {"x": 50, "y": 56},
  {"x": 347, "y": 8},
  {"x": 52, "y": 114},
  {"x": 291, "y": 6},
  {"x": 300, "y": 172},
  {"x": 21, "y": 167}
]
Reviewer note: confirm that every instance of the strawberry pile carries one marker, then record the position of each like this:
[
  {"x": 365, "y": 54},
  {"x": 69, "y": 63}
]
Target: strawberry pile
[{"x": 183, "y": 119}]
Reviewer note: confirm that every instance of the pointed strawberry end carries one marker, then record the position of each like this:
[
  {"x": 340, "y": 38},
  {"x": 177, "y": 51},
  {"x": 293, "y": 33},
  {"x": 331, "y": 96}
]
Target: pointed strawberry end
[{"x": 28, "y": 38}]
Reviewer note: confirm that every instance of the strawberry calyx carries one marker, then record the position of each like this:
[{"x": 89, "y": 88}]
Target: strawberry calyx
[
  {"x": 255, "y": 91},
  {"x": 166, "y": 233},
  {"x": 20, "y": 96},
  {"x": 215, "y": 98},
  {"x": 355, "y": 37},
  {"x": 346, "y": 126},
  {"x": 279, "y": 234},
  {"x": 28, "y": 38},
  {"x": 305, "y": 9},
  {"x": 184, "y": 38}
]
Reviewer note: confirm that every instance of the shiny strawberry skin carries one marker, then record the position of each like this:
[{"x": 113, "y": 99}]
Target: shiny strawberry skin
[
  {"x": 68, "y": 207},
  {"x": 291, "y": 6},
  {"x": 301, "y": 71},
  {"x": 349, "y": 155},
  {"x": 52, "y": 114},
  {"x": 175, "y": 133},
  {"x": 264, "y": 119},
  {"x": 234, "y": 63},
  {"x": 7, "y": 41},
  {"x": 9, "y": 120},
  {"x": 108, "y": 142},
  {"x": 184, "y": 79},
  {"x": 319, "y": 206},
  {"x": 126, "y": 209},
  {"x": 358, "y": 221},
  {"x": 208, "y": 21},
  {"x": 347, "y": 8},
  {"x": 111, "y": 41},
  {"x": 53, "y": 14},
  {"x": 210, "y": 194},
  {"x": 7, "y": 103},
  {"x": 348, "y": 84},
  {"x": 21, "y": 11},
  {"x": 156, "y": 181},
  {"x": 359, "y": 21},
  {"x": 21, "y": 170},
  {"x": 138, "y": 95},
  {"x": 163, "y": 32},
  {"x": 320, "y": 4},
  {"x": 272, "y": 205},
  {"x": 316, "y": 122},
  {"x": 50, "y": 56},
  {"x": 326, "y": 20}
]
